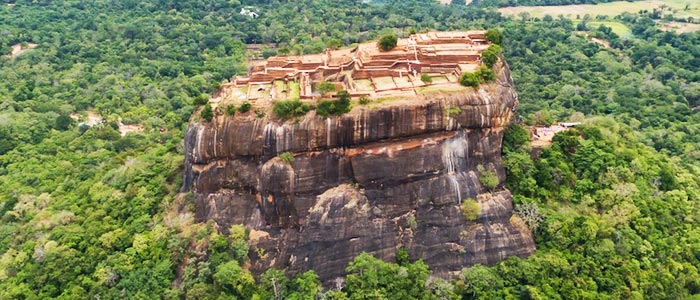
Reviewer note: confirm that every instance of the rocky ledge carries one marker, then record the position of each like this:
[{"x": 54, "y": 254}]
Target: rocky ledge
[{"x": 373, "y": 180}]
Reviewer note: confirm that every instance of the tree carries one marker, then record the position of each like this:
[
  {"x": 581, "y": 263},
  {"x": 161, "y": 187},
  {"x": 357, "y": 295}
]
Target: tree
[
  {"x": 325, "y": 87},
  {"x": 207, "y": 113},
  {"x": 494, "y": 36},
  {"x": 388, "y": 42},
  {"x": 233, "y": 280},
  {"x": 490, "y": 56},
  {"x": 63, "y": 122}
]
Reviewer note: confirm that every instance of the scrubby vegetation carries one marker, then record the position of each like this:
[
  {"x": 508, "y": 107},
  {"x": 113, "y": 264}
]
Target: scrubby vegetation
[
  {"x": 334, "y": 107},
  {"x": 245, "y": 107},
  {"x": 471, "y": 209},
  {"x": 286, "y": 109}
]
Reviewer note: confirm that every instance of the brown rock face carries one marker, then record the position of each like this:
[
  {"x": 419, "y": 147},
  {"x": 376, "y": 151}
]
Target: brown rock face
[{"x": 372, "y": 180}]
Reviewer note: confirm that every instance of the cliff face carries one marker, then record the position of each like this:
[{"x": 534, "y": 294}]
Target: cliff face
[{"x": 373, "y": 180}]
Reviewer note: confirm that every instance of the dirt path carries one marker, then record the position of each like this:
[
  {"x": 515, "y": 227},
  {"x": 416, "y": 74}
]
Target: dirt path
[{"x": 18, "y": 49}]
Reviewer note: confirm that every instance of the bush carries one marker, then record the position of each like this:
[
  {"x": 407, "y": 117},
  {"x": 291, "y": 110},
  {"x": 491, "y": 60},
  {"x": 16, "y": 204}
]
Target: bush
[
  {"x": 469, "y": 79},
  {"x": 364, "y": 100},
  {"x": 287, "y": 157},
  {"x": 490, "y": 56},
  {"x": 426, "y": 78},
  {"x": 486, "y": 74},
  {"x": 230, "y": 110},
  {"x": 201, "y": 100},
  {"x": 245, "y": 107},
  {"x": 388, "y": 42},
  {"x": 494, "y": 36},
  {"x": 207, "y": 113},
  {"x": 453, "y": 111},
  {"x": 471, "y": 209},
  {"x": 325, "y": 87},
  {"x": 334, "y": 107},
  {"x": 488, "y": 178},
  {"x": 290, "y": 108}
]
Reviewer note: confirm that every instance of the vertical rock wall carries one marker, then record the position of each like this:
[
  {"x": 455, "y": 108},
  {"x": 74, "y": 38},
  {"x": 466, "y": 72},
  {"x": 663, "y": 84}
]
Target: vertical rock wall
[{"x": 372, "y": 180}]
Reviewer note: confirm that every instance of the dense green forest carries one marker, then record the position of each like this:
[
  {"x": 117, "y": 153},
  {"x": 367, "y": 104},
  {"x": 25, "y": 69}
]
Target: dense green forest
[{"x": 89, "y": 213}]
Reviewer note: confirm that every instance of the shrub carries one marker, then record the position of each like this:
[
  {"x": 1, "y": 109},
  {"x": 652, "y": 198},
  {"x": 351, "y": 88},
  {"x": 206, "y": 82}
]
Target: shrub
[
  {"x": 334, "y": 107},
  {"x": 207, "y": 113},
  {"x": 486, "y": 74},
  {"x": 245, "y": 107},
  {"x": 364, "y": 100},
  {"x": 287, "y": 157},
  {"x": 201, "y": 100},
  {"x": 388, "y": 42},
  {"x": 490, "y": 56},
  {"x": 488, "y": 178},
  {"x": 334, "y": 43},
  {"x": 530, "y": 213},
  {"x": 471, "y": 209},
  {"x": 230, "y": 110},
  {"x": 259, "y": 113},
  {"x": 469, "y": 79},
  {"x": 290, "y": 108},
  {"x": 453, "y": 111},
  {"x": 325, "y": 87},
  {"x": 494, "y": 36},
  {"x": 426, "y": 78}
]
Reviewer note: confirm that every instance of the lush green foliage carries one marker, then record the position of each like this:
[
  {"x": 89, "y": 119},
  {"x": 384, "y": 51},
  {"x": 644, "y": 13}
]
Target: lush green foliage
[
  {"x": 245, "y": 107},
  {"x": 89, "y": 213},
  {"x": 487, "y": 178},
  {"x": 287, "y": 157},
  {"x": 470, "y": 79},
  {"x": 426, "y": 78},
  {"x": 471, "y": 209},
  {"x": 286, "y": 109},
  {"x": 325, "y": 87},
  {"x": 207, "y": 113},
  {"x": 490, "y": 56},
  {"x": 230, "y": 110},
  {"x": 334, "y": 107},
  {"x": 387, "y": 42},
  {"x": 494, "y": 36}
]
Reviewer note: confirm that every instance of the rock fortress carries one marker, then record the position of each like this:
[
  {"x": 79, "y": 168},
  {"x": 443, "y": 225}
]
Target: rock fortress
[
  {"x": 314, "y": 191},
  {"x": 365, "y": 70}
]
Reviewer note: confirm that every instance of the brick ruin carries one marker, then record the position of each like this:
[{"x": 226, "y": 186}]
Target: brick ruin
[{"x": 364, "y": 70}]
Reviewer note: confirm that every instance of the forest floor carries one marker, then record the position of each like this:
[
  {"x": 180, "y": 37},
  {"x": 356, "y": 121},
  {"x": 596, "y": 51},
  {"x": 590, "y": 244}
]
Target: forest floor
[{"x": 94, "y": 118}]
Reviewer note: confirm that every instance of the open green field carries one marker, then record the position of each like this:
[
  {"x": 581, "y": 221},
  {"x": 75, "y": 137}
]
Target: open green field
[
  {"x": 678, "y": 7},
  {"x": 617, "y": 27}
]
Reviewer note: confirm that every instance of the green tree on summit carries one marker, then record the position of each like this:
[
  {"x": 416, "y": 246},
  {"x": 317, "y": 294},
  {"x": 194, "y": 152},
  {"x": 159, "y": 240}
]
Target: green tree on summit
[{"x": 388, "y": 42}]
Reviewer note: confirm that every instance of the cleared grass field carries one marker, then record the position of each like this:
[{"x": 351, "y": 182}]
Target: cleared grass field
[
  {"x": 617, "y": 27},
  {"x": 607, "y": 9}
]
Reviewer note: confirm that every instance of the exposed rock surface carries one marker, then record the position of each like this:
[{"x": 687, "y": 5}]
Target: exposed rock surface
[{"x": 372, "y": 180}]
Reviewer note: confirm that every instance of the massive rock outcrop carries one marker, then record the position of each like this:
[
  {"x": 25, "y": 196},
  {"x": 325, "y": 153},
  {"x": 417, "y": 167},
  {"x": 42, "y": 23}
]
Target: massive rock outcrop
[{"x": 381, "y": 177}]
